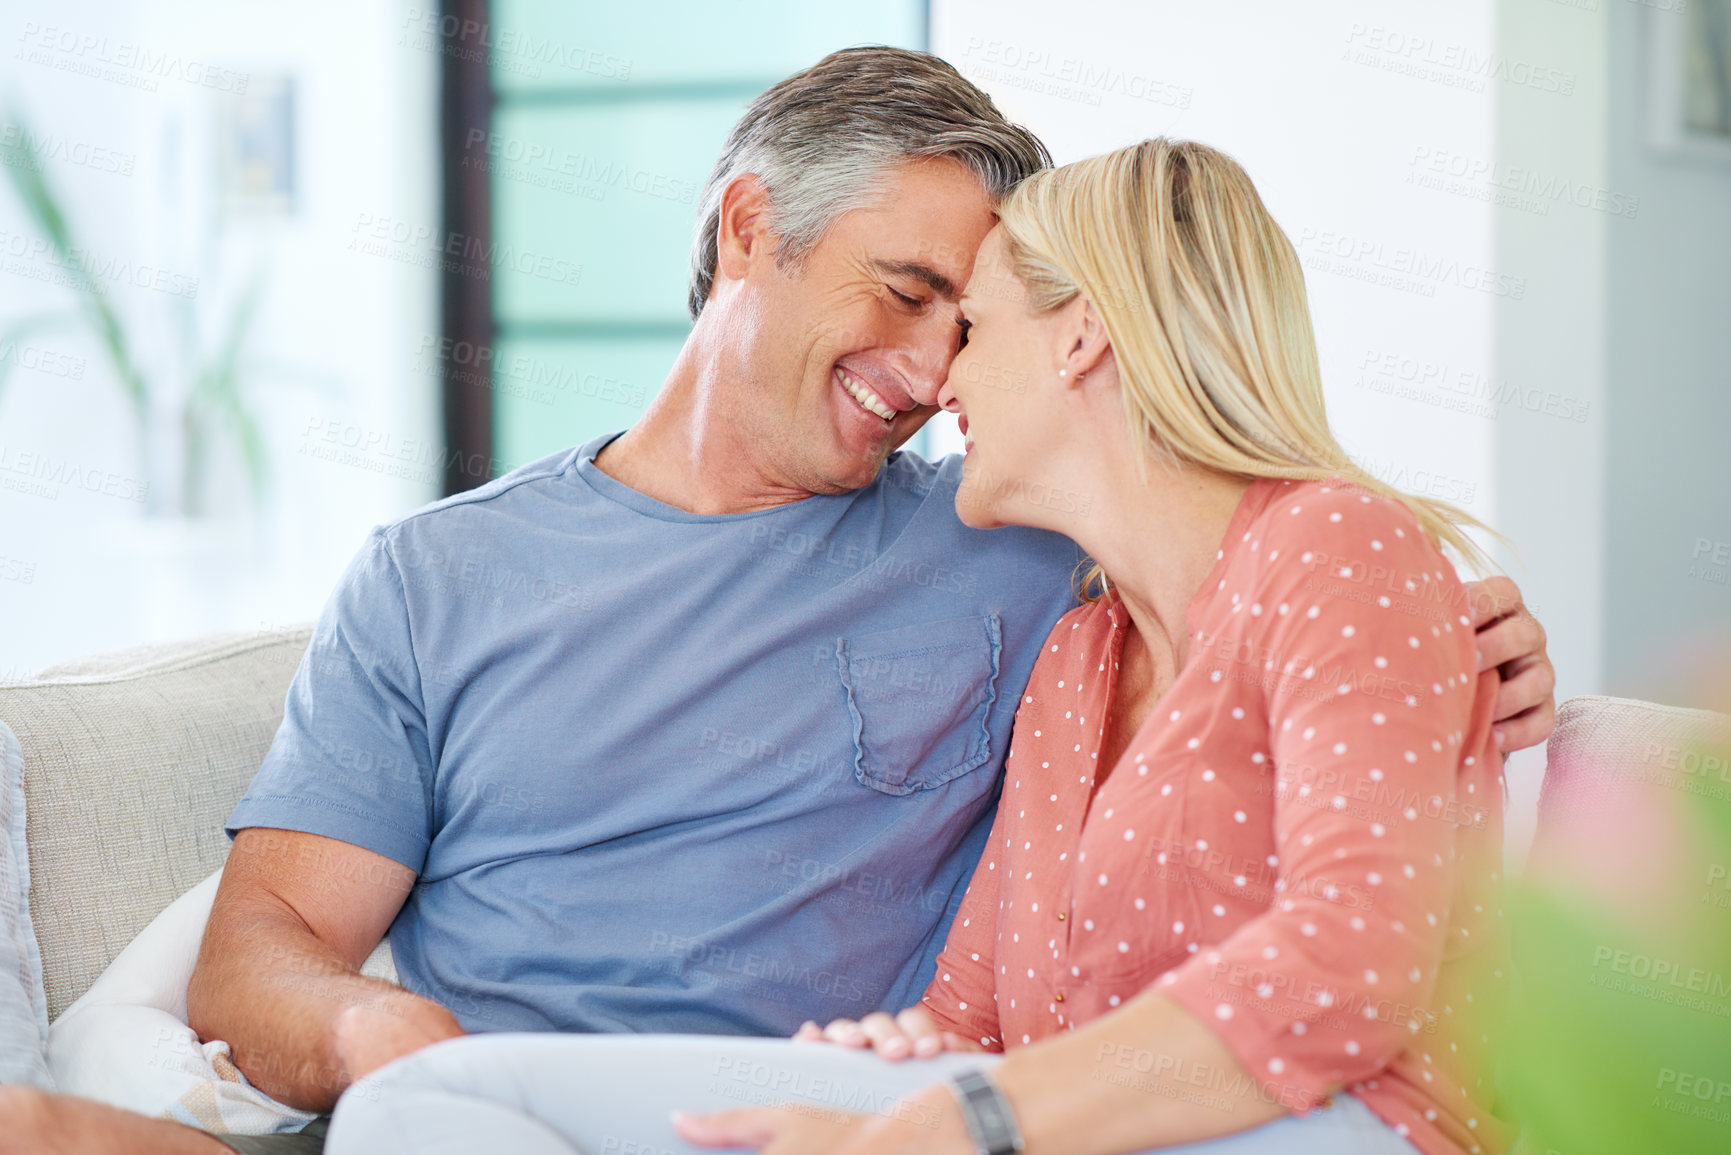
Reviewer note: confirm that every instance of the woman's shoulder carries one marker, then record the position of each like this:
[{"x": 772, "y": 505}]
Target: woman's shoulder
[
  {"x": 1080, "y": 631},
  {"x": 1326, "y": 541},
  {"x": 1316, "y": 523}
]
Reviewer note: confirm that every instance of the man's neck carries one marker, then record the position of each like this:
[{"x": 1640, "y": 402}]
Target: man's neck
[{"x": 684, "y": 453}]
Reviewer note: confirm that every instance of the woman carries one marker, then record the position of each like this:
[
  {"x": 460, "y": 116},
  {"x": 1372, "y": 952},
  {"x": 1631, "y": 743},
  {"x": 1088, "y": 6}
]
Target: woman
[
  {"x": 1241, "y": 890},
  {"x": 1266, "y": 751}
]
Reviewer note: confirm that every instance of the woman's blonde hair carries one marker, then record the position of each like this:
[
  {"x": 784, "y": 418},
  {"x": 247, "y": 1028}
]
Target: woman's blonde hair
[{"x": 1203, "y": 300}]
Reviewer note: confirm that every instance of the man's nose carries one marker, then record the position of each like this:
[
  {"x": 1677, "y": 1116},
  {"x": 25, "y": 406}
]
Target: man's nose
[
  {"x": 926, "y": 388},
  {"x": 928, "y": 363}
]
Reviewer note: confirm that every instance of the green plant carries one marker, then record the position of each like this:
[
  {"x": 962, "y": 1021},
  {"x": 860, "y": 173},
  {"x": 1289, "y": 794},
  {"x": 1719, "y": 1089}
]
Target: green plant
[
  {"x": 215, "y": 401},
  {"x": 1619, "y": 1034}
]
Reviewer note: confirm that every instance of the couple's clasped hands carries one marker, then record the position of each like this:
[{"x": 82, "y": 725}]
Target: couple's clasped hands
[{"x": 930, "y": 1124}]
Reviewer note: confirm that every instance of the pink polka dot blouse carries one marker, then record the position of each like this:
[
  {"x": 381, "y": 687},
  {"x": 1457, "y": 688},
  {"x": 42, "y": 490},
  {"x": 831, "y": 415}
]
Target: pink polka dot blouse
[{"x": 1301, "y": 846}]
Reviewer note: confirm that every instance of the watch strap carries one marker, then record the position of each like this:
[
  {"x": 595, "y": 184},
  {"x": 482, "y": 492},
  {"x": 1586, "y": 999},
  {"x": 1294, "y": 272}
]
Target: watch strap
[{"x": 987, "y": 1114}]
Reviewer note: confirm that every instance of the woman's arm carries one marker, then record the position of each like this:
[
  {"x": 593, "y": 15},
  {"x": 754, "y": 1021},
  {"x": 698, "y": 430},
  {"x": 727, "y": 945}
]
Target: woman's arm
[
  {"x": 1337, "y": 974},
  {"x": 1378, "y": 733},
  {"x": 1147, "y": 1074}
]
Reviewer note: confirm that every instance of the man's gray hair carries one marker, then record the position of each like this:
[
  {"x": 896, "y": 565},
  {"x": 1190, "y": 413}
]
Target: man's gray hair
[{"x": 820, "y": 140}]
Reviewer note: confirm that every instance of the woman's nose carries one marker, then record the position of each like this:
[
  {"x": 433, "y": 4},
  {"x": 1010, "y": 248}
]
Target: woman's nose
[{"x": 947, "y": 399}]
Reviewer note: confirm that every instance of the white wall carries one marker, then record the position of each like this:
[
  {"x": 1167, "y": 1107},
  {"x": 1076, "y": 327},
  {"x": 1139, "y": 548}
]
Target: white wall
[
  {"x": 334, "y": 348},
  {"x": 1336, "y": 144},
  {"x": 1406, "y": 175},
  {"x": 1668, "y": 469},
  {"x": 1551, "y": 426},
  {"x": 1579, "y": 405}
]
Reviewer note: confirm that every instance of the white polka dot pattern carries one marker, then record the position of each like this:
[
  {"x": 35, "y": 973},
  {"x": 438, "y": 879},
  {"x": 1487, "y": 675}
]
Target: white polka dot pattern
[{"x": 1299, "y": 846}]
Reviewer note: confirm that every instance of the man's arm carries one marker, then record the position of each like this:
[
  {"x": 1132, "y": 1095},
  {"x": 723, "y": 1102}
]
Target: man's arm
[
  {"x": 1511, "y": 640},
  {"x": 278, "y": 975}
]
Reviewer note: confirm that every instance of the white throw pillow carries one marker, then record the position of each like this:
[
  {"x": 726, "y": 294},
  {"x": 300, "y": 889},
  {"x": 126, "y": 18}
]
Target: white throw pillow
[
  {"x": 23, "y": 1004},
  {"x": 126, "y": 1041}
]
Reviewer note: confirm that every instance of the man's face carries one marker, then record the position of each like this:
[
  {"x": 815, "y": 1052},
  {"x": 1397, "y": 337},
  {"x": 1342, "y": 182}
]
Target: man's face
[
  {"x": 1004, "y": 388},
  {"x": 846, "y": 355}
]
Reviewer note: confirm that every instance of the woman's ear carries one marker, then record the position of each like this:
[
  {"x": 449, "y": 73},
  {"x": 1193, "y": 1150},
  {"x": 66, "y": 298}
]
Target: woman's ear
[
  {"x": 1086, "y": 344},
  {"x": 742, "y": 233}
]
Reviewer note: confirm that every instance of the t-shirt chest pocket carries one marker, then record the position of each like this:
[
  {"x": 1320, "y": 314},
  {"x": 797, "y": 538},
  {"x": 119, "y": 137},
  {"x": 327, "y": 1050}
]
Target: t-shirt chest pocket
[{"x": 919, "y": 697}]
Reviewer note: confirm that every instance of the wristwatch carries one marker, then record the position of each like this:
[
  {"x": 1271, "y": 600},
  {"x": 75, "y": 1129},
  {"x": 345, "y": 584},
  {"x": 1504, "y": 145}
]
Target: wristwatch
[{"x": 987, "y": 1114}]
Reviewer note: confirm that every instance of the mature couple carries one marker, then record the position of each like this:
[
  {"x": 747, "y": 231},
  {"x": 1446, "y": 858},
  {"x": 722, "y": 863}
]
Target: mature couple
[{"x": 1239, "y": 891}]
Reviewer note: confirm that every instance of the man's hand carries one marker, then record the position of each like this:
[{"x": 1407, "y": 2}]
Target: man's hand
[
  {"x": 1512, "y": 641},
  {"x": 367, "y": 1035}
]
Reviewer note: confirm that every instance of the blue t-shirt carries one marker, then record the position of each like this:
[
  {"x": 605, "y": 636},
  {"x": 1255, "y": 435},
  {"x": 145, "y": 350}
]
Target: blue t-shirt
[{"x": 659, "y": 771}]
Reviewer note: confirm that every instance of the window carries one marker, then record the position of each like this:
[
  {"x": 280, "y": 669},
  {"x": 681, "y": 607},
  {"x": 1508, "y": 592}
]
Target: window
[{"x": 603, "y": 128}]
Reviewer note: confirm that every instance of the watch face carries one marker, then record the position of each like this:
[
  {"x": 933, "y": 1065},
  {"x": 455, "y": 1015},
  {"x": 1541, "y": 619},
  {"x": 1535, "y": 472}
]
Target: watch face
[{"x": 987, "y": 1113}]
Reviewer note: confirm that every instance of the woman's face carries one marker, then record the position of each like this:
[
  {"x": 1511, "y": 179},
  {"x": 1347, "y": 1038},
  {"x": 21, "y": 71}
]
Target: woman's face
[{"x": 1004, "y": 385}]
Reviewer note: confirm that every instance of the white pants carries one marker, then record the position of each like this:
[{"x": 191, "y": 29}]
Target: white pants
[{"x": 546, "y": 1094}]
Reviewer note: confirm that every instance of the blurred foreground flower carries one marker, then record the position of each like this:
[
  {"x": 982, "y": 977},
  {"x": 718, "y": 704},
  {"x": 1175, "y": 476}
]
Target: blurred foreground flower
[{"x": 1620, "y": 1034}]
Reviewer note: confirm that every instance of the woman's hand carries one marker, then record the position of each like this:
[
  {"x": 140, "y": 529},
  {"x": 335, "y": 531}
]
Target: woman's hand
[
  {"x": 910, "y": 1034},
  {"x": 928, "y": 1123}
]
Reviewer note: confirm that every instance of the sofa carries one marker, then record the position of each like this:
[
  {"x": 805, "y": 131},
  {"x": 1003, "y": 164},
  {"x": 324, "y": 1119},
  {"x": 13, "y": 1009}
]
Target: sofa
[{"x": 134, "y": 759}]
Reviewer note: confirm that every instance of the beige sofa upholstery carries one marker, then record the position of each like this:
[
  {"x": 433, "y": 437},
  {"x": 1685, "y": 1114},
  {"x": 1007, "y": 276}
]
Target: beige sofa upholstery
[{"x": 132, "y": 762}]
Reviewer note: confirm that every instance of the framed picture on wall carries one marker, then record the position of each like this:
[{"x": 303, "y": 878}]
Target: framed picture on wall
[
  {"x": 1690, "y": 78},
  {"x": 256, "y": 148}
]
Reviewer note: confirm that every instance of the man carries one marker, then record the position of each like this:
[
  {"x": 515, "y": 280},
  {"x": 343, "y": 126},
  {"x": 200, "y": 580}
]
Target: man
[{"x": 697, "y": 728}]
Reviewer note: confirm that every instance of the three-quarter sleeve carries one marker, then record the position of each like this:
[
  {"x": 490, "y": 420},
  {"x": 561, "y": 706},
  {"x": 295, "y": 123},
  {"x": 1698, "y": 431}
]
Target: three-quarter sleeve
[{"x": 1369, "y": 681}]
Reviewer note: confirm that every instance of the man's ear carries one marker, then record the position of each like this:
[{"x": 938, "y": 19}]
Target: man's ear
[
  {"x": 1086, "y": 343},
  {"x": 742, "y": 235}
]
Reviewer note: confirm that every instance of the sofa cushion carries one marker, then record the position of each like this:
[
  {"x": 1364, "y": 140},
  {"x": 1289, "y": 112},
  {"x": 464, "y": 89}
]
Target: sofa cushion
[
  {"x": 132, "y": 762},
  {"x": 23, "y": 1008},
  {"x": 125, "y": 1041},
  {"x": 1604, "y": 747}
]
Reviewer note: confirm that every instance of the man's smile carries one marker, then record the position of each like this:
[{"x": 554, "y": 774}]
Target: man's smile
[{"x": 867, "y": 397}]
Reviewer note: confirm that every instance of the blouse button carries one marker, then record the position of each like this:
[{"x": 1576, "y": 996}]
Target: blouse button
[
  {"x": 1060, "y": 916},
  {"x": 1059, "y": 996}
]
